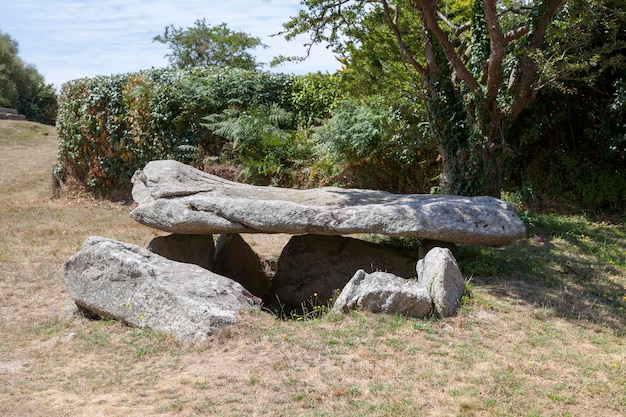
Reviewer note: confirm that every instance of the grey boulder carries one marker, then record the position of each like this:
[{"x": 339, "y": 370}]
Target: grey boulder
[
  {"x": 132, "y": 284},
  {"x": 178, "y": 198},
  {"x": 314, "y": 264},
  {"x": 381, "y": 292},
  {"x": 191, "y": 249},
  {"x": 439, "y": 273},
  {"x": 235, "y": 259}
]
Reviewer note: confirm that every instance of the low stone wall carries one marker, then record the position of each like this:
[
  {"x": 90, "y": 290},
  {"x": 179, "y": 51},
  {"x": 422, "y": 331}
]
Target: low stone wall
[{"x": 10, "y": 114}]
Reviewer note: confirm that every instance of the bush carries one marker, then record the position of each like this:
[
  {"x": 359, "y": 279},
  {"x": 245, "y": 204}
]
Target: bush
[
  {"x": 570, "y": 150},
  {"x": 375, "y": 144},
  {"x": 315, "y": 96},
  {"x": 111, "y": 126},
  {"x": 277, "y": 129},
  {"x": 265, "y": 140}
]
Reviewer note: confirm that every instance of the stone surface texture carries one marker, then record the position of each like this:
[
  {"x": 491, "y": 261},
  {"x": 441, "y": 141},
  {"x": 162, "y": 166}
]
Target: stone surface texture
[
  {"x": 235, "y": 259},
  {"x": 439, "y": 273},
  {"x": 381, "y": 292},
  {"x": 132, "y": 284},
  {"x": 178, "y": 198},
  {"x": 191, "y": 249},
  {"x": 320, "y": 264}
]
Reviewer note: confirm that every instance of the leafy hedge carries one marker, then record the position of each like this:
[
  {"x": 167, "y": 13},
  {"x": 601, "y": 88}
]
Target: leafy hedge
[
  {"x": 110, "y": 126},
  {"x": 277, "y": 129}
]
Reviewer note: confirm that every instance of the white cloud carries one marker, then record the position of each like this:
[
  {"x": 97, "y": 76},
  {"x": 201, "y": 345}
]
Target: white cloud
[{"x": 70, "y": 39}]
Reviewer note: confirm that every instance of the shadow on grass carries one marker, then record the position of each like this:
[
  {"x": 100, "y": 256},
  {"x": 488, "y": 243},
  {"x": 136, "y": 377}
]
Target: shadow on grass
[{"x": 569, "y": 265}]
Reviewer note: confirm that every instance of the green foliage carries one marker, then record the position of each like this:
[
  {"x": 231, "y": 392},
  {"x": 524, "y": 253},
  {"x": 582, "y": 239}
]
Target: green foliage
[
  {"x": 549, "y": 178},
  {"x": 111, "y": 126},
  {"x": 378, "y": 145},
  {"x": 586, "y": 43},
  {"x": 263, "y": 139},
  {"x": 613, "y": 125},
  {"x": 379, "y": 38},
  {"x": 314, "y": 96},
  {"x": 373, "y": 63},
  {"x": 22, "y": 87},
  {"x": 448, "y": 124},
  {"x": 571, "y": 182},
  {"x": 206, "y": 45},
  {"x": 9, "y": 63},
  {"x": 570, "y": 144},
  {"x": 278, "y": 129},
  {"x": 479, "y": 38},
  {"x": 357, "y": 130}
]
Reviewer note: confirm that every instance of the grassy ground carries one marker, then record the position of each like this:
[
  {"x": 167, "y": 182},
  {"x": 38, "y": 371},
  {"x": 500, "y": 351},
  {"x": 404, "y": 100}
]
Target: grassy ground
[{"x": 541, "y": 334}]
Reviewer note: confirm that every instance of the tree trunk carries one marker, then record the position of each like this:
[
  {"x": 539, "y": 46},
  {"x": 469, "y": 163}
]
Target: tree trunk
[
  {"x": 472, "y": 148},
  {"x": 471, "y": 170}
]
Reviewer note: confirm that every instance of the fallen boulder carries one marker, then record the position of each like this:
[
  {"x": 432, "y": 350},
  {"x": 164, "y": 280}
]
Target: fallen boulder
[
  {"x": 439, "y": 273},
  {"x": 132, "y": 284},
  {"x": 178, "y": 198},
  {"x": 381, "y": 292}
]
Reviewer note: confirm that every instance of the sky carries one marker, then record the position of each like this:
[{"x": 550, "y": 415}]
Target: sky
[{"x": 70, "y": 39}]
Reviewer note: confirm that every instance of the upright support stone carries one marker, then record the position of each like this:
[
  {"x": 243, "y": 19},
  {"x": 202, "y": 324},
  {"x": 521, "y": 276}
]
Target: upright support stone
[
  {"x": 235, "y": 259},
  {"x": 192, "y": 249},
  {"x": 439, "y": 273},
  {"x": 313, "y": 264}
]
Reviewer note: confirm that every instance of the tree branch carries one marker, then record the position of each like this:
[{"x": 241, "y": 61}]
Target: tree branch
[
  {"x": 428, "y": 11},
  {"x": 515, "y": 10},
  {"x": 393, "y": 24},
  {"x": 539, "y": 34},
  {"x": 528, "y": 67},
  {"x": 458, "y": 30},
  {"x": 496, "y": 48},
  {"x": 515, "y": 34}
]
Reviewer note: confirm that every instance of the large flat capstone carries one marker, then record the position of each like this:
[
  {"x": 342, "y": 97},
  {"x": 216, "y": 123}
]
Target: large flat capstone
[{"x": 178, "y": 198}]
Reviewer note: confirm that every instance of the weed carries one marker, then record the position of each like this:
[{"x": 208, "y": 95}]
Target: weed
[
  {"x": 143, "y": 351},
  {"x": 311, "y": 309}
]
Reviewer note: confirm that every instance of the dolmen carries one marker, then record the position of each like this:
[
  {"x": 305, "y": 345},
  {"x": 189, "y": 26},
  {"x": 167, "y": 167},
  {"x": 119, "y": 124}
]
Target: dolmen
[{"x": 192, "y": 281}]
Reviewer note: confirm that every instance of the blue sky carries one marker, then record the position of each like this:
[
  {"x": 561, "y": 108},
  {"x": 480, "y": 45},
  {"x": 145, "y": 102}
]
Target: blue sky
[{"x": 69, "y": 39}]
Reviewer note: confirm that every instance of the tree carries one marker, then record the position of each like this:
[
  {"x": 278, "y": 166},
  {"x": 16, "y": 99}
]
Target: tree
[
  {"x": 9, "y": 65},
  {"x": 22, "y": 87},
  {"x": 570, "y": 143},
  {"x": 203, "y": 44},
  {"x": 476, "y": 75}
]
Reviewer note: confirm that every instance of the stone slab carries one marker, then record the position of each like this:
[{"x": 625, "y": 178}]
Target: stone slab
[
  {"x": 132, "y": 284},
  {"x": 178, "y": 198}
]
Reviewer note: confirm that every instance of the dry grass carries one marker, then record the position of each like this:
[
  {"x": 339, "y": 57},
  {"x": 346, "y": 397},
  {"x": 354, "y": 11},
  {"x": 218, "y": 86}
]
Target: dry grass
[{"x": 529, "y": 342}]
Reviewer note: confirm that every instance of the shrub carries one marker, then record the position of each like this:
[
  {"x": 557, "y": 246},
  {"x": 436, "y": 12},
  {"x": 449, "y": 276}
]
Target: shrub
[
  {"x": 373, "y": 142},
  {"x": 282, "y": 129},
  {"x": 265, "y": 140},
  {"x": 111, "y": 126},
  {"x": 315, "y": 96}
]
